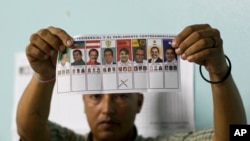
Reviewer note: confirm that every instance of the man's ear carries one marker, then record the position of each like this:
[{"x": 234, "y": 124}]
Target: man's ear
[{"x": 139, "y": 102}]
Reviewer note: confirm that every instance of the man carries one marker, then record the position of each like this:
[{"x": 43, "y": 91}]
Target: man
[
  {"x": 77, "y": 56},
  {"x": 108, "y": 56},
  {"x": 124, "y": 57},
  {"x": 111, "y": 116},
  {"x": 155, "y": 55},
  {"x": 139, "y": 56},
  {"x": 64, "y": 64},
  {"x": 170, "y": 56},
  {"x": 93, "y": 56}
]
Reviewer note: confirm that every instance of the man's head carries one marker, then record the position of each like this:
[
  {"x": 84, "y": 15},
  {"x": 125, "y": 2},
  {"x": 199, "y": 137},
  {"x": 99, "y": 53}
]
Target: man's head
[
  {"x": 77, "y": 55},
  {"x": 64, "y": 57},
  {"x": 154, "y": 52},
  {"x": 93, "y": 55},
  {"x": 108, "y": 55},
  {"x": 112, "y": 116},
  {"x": 139, "y": 55},
  {"x": 124, "y": 55},
  {"x": 169, "y": 54}
]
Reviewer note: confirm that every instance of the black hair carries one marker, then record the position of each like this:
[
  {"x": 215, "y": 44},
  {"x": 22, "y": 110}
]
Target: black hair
[
  {"x": 156, "y": 48},
  {"x": 93, "y": 49},
  {"x": 77, "y": 50},
  {"x": 125, "y": 50},
  {"x": 108, "y": 49}
]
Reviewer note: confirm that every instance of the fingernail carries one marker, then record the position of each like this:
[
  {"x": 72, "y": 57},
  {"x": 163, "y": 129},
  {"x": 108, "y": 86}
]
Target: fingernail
[
  {"x": 183, "y": 56},
  {"x": 69, "y": 42},
  {"x": 190, "y": 58},
  {"x": 174, "y": 43},
  {"x": 178, "y": 51}
]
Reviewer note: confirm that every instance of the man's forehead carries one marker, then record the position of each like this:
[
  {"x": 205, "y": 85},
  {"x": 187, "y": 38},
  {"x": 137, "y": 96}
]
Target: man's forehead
[
  {"x": 111, "y": 93},
  {"x": 140, "y": 50},
  {"x": 76, "y": 52},
  {"x": 154, "y": 49}
]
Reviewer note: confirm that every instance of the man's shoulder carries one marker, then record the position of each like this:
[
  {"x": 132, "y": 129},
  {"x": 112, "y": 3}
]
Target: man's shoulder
[
  {"x": 159, "y": 59},
  {"x": 80, "y": 62},
  {"x": 60, "y": 133},
  {"x": 198, "y": 135},
  {"x": 149, "y": 60}
]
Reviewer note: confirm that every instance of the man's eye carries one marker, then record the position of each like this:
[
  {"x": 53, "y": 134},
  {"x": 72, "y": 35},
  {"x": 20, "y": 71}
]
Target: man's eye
[
  {"x": 122, "y": 96},
  {"x": 96, "y": 96}
]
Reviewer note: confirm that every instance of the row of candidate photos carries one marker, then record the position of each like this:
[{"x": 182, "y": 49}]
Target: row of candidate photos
[
  {"x": 127, "y": 52},
  {"x": 112, "y": 69}
]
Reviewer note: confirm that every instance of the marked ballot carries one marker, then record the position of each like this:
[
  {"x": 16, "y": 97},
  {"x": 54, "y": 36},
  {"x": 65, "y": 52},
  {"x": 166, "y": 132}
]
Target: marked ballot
[
  {"x": 118, "y": 64},
  {"x": 168, "y": 112}
]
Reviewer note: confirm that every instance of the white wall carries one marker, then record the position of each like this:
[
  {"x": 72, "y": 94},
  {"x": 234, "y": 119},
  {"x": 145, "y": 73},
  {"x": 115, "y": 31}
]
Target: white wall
[{"x": 19, "y": 19}]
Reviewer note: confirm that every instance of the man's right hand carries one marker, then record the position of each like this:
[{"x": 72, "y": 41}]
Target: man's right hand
[{"x": 43, "y": 49}]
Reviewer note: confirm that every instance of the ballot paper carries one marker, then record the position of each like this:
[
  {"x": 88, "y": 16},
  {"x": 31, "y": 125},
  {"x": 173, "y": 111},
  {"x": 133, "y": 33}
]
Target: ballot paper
[
  {"x": 118, "y": 64},
  {"x": 161, "y": 114}
]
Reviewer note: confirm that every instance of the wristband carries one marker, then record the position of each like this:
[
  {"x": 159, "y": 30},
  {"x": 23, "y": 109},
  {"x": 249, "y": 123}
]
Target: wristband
[
  {"x": 44, "y": 81},
  {"x": 224, "y": 78}
]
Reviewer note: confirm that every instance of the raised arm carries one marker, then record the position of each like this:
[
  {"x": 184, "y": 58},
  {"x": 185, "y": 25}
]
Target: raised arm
[
  {"x": 203, "y": 45},
  {"x": 34, "y": 105}
]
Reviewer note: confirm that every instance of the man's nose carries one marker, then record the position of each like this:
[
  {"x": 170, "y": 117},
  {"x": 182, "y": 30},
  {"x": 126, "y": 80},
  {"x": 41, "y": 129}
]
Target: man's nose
[{"x": 108, "y": 105}]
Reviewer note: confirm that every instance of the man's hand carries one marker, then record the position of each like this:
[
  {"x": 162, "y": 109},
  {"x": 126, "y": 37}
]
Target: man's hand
[
  {"x": 43, "y": 48},
  {"x": 201, "y": 44}
]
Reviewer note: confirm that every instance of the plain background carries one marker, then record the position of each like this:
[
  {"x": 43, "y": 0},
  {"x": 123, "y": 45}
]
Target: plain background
[{"x": 19, "y": 19}]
